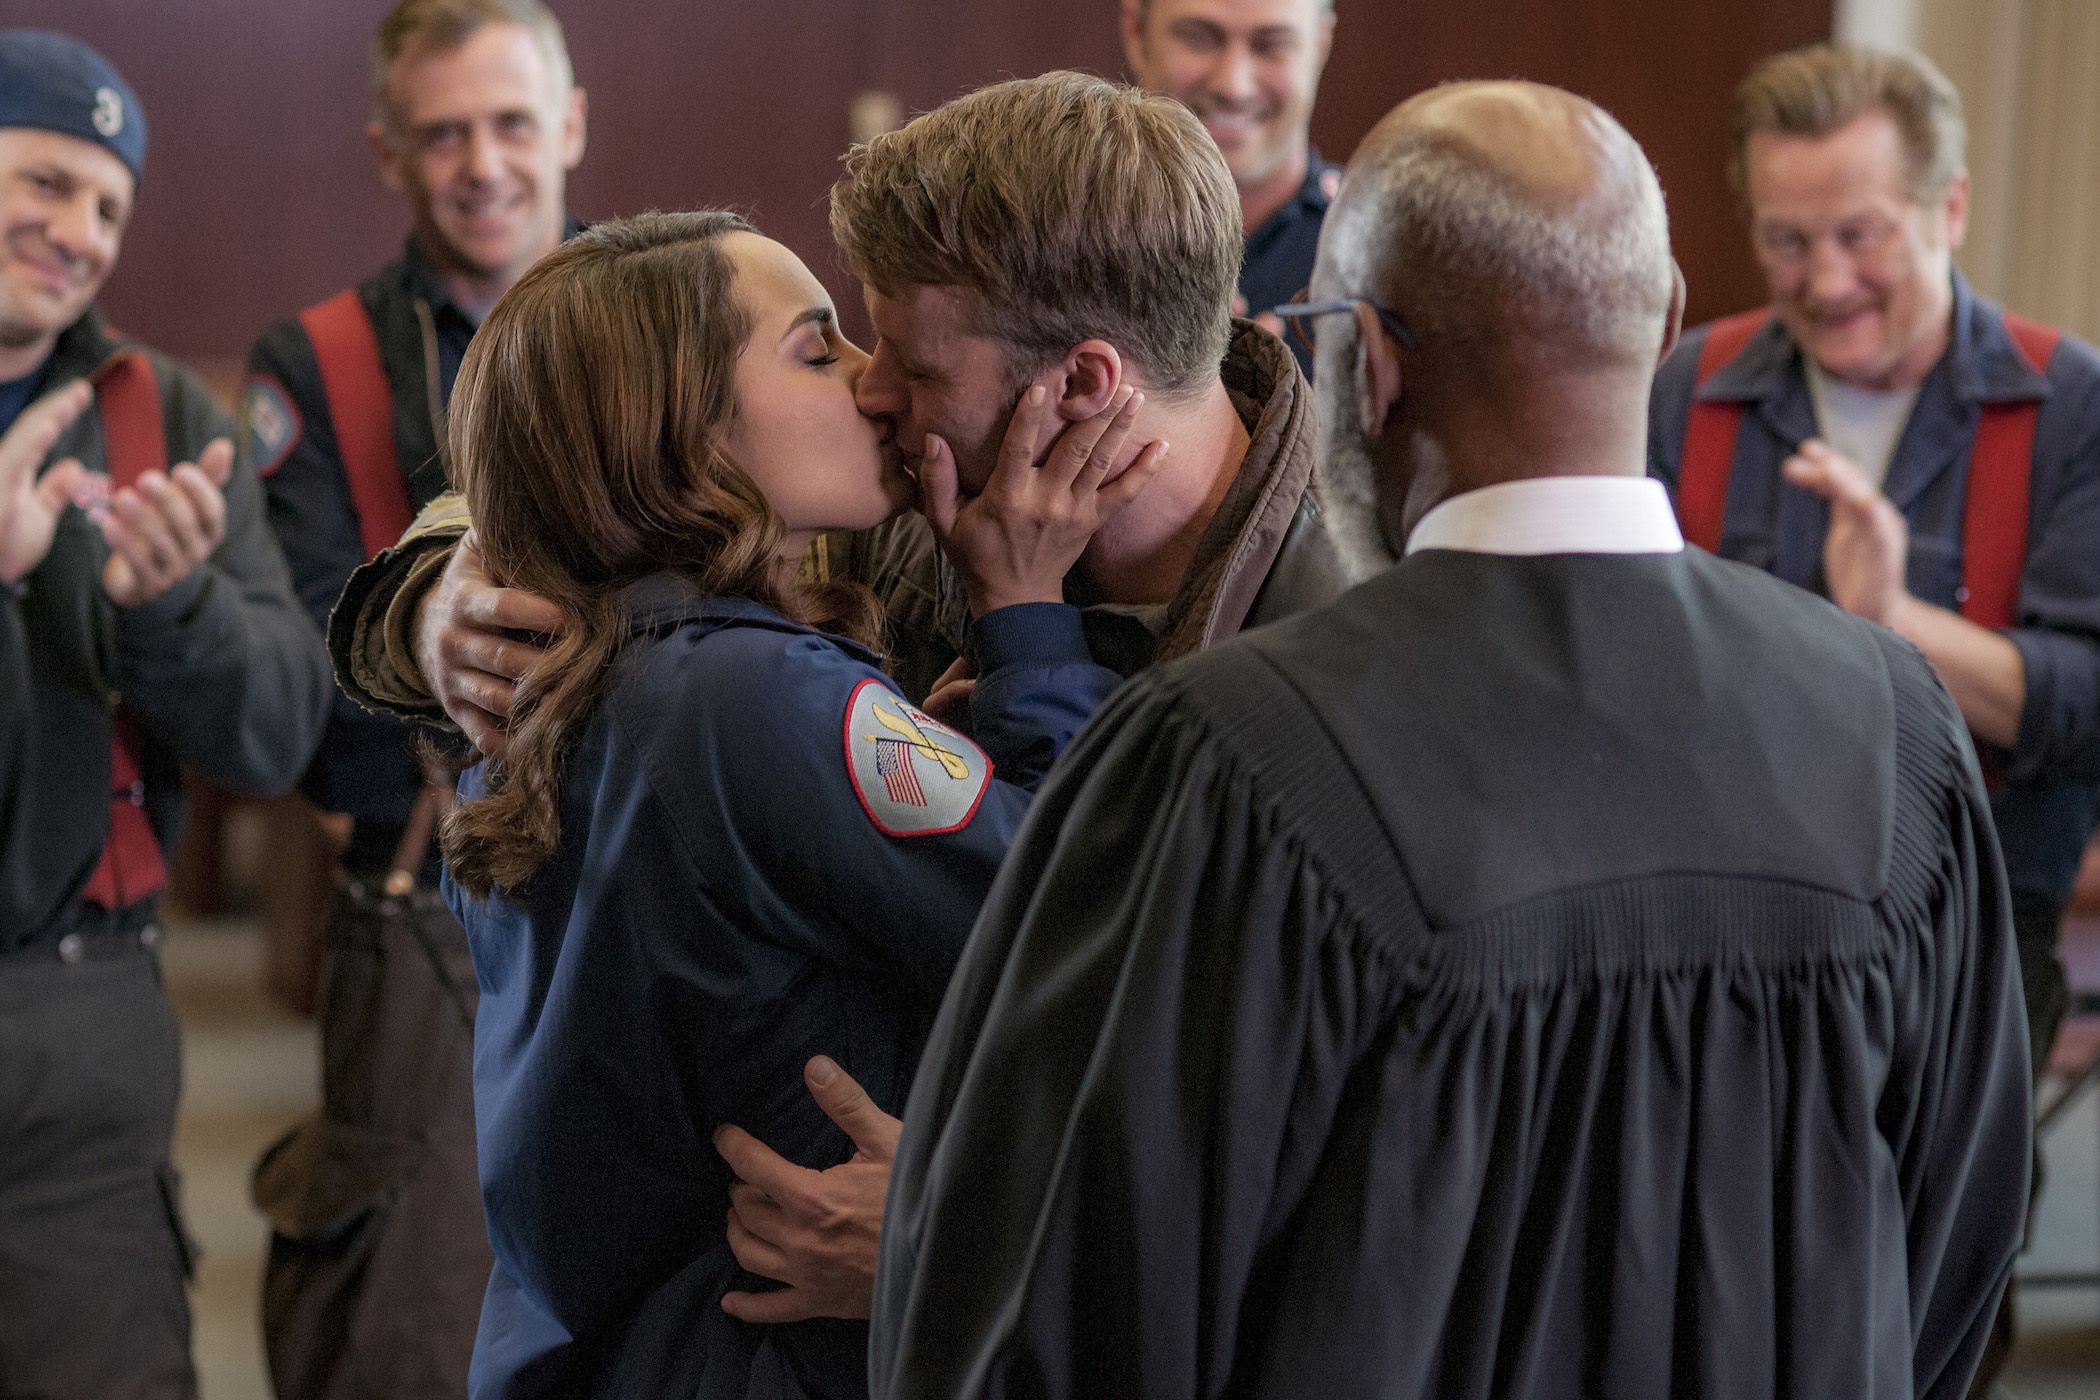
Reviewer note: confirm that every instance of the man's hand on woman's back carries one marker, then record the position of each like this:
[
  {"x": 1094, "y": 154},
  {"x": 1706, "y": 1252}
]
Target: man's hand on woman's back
[{"x": 815, "y": 1231}]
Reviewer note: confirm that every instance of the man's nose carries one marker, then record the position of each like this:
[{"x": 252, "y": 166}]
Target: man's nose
[
  {"x": 1233, "y": 75},
  {"x": 875, "y": 392},
  {"x": 484, "y": 158},
  {"x": 77, "y": 229},
  {"x": 1833, "y": 275}
]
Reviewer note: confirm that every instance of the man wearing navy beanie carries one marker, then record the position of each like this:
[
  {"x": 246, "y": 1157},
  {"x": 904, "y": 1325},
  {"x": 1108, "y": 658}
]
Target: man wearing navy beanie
[{"x": 146, "y": 621}]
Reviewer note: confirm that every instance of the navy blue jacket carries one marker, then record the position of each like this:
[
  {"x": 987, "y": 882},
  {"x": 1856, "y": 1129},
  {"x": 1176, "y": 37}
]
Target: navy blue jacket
[
  {"x": 2046, "y": 811},
  {"x": 1278, "y": 262},
  {"x": 723, "y": 905}
]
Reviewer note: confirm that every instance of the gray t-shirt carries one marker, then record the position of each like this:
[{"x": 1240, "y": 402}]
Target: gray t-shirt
[{"x": 1863, "y": 425}]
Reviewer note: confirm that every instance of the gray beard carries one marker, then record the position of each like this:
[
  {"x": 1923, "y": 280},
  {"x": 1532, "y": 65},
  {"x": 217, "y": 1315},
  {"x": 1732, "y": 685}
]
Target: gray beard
[{"x": 1352, "y": 502}]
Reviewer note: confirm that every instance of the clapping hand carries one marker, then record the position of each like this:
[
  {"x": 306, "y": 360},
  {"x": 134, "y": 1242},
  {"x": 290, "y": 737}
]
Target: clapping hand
[
  {"x": 164, "y": 525},
  {"x": 1865, "y": 553},
  {"x": 29, "y": 505}
]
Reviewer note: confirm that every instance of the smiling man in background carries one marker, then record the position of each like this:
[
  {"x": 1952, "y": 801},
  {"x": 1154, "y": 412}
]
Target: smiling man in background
[
  {"x": 146, "y": 623},
  {"x": 1887, "y": 437},
  {"x": 1250, "y": 70},
  {"x": 476, "y": 121}
]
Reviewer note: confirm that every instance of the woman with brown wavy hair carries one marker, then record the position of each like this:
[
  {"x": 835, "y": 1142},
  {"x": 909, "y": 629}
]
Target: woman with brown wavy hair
[{"x": 719, "y": 841}]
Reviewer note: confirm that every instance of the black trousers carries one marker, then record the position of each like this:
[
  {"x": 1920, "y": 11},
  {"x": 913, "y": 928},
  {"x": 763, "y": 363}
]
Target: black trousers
[{"x": 93, "y": 1257}]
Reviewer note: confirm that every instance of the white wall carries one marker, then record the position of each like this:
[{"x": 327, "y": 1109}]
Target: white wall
[
  {"x": 1891, "y": 24},
  {"x": 2029, "y": 74}
]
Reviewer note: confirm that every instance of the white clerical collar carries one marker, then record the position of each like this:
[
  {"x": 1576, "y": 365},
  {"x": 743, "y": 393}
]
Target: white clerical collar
[{"x": 1555, "y": 515}]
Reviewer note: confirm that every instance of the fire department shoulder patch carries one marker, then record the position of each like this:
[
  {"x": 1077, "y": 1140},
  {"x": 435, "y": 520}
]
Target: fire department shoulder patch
[
  {"x": 914, "y": 775},
  {"x": 270, "y": 421}
]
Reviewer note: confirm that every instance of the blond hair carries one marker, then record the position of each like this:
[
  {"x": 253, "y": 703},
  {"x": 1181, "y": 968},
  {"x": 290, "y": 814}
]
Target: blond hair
[
  {"x": 1814, "y": 91},
  {"x": 1067, "y": 208},
  {"x": 437, "y": 26}
]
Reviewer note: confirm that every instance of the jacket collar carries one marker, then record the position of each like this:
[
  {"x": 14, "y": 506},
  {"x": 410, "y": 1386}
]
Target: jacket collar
[
  {"x": 419, "y": 274},
  {"x": 662, "y": 602},
  {"x": 1310, "y": 201},
  {"x": 1236, "y": 552},
  {"x": 82, "y": 349}
]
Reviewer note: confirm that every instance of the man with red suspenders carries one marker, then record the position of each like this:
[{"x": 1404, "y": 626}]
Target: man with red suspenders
[
  {"x": 477, "y": 121},
  {"x": 147, "y": 621},
  {"x": 1883, "y": 435}
]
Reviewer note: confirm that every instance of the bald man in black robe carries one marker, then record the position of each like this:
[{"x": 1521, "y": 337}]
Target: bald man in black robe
[{"x": 1569, "y": 965}]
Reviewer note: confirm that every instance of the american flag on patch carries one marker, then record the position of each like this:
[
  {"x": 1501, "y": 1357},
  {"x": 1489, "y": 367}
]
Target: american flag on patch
[
  {"x": 893, "y": 762},
  {"x": 92, "y": 496}
]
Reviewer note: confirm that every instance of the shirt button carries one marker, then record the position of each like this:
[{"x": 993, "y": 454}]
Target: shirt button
[
  {"x": 1961, "y": 595},
  {"x": 149, "y": 936},
  {"x": 71, "y": 949}
]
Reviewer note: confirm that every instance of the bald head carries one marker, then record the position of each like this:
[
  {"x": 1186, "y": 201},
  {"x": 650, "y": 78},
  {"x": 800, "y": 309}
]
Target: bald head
[
  {"x": 1518, "y": 231},
  {"x": 1507, "y": 219}
]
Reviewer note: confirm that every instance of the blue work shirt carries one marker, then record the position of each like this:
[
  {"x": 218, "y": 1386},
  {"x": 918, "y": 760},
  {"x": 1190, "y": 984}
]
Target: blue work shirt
[
  {"x": 725, "y": 902},
  {"x": 2045, "y": 811},
  {"x": 18, "y": 394},
  {"x": 1279, "y": 260}
]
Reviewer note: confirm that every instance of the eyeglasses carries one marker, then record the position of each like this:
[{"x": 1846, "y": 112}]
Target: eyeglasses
[{"x": 1299, "y": 313}]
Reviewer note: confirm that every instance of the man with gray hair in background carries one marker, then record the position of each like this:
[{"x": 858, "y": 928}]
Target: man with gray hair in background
[
  {"x": 1568, "y": 964},
  {"x": 476, "y": 121}
]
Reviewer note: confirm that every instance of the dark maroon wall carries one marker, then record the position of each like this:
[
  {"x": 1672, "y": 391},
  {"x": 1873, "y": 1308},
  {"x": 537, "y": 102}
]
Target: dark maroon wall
[
  {"x": 1665, "y": 68},
  {"x": 260, "y": 196}
]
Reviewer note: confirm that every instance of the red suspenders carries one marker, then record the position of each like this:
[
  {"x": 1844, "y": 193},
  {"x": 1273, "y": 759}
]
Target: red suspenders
[
  {"x": 128, "y": 398},
  {"x": 1994, "y": 524},
  {"x": 1710, "y": 434},
  {"x": 362, "y": 409},
  {"x": 1994, "y": 520},
  {"x": 131, "y": 867}
]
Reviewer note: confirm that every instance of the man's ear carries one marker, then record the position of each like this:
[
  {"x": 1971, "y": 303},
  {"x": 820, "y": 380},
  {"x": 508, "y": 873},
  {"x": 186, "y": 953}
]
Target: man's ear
[
  {"x": 1376, "y": 373},
  {"x": 1133, "y": 29},
  {"x": 575, "y": 119},
  {"x": 389, "y": 161},
  {"x": 1955, "y": 205},
  {"x": 1093, "y": 372},
  {"x": 1673, "y": 324}
]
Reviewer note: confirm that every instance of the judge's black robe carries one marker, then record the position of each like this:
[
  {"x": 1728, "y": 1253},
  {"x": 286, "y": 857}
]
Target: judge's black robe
[{"x": 1574, "y": 975}]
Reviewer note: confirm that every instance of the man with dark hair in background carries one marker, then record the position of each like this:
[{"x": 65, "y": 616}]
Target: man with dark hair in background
[
  {"x": 1885, "y": 436},
  {"x": 476, "y": 122},
  {"x": 146, "y": 622},
  {"x": 1568, "y": 965},
  {"x": 1250, "y": 70}
]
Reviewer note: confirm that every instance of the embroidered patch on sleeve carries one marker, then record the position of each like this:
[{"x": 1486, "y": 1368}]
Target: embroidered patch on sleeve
[
  {"x": 913, "y": 774},
  {"x": 92, "y": 496},
  {"x": 270, "y": 421}
]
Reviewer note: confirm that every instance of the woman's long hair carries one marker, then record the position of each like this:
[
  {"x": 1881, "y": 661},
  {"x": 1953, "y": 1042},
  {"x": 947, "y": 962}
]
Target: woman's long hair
[{"x": 586, "y": 431}]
